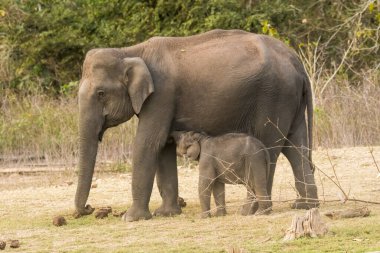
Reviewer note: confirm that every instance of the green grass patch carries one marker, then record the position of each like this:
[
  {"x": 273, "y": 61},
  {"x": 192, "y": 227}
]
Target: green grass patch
[{"x": 188, "y": 233}]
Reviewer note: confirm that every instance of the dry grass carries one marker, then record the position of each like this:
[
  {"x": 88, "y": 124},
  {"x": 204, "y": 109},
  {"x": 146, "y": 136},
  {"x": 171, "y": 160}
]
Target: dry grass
[
  {"x": 28, "y": 204},
  {"x": 39, "y": 126},
  {"x": 347, "y": 115}
]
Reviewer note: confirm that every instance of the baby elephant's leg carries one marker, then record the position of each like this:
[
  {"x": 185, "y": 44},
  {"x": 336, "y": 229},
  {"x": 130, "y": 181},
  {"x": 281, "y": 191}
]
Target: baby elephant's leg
[
  {"x": 205, "y": 186},
  {"x": 260, "y": 188},
  {"x": 258, "y": 199},
  {"x": 220, "y": 199}
]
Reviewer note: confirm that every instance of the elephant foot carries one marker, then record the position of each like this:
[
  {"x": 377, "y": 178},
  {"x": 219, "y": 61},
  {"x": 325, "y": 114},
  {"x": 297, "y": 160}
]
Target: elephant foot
[
  {"x": 221, "y": 211},
  {"x": 263, "y": 211},
  {"x": 205, "y": 215},
  {"x": 86, "y": 211},
  {"x": 167, "y": 211},
  {"x": 265, "y": 207},
  {"x": 305, "y": 204},
  {"x": 135, "y": 214},
  {"x": 249, "y": 208}
]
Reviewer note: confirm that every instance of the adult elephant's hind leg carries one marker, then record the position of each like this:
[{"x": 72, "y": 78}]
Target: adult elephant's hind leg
[
  {"x": 167, "y": 182},
  {"x": 297, "y": 153}
]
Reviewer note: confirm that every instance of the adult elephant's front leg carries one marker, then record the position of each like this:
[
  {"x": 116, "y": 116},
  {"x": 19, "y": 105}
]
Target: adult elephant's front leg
[
  {"x": 167, "y": 181},
  {"x": 144, "y": 168}
]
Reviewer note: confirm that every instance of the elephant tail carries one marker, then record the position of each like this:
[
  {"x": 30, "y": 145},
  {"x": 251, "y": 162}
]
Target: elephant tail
[{"x": 309, "y": 110}]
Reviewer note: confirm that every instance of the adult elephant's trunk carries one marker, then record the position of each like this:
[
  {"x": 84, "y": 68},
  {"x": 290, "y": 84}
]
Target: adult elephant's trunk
[{"x": 89, "y": 129}]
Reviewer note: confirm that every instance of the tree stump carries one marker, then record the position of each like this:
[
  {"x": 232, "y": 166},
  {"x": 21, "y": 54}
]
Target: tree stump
[{"x": 310, "y": 225}]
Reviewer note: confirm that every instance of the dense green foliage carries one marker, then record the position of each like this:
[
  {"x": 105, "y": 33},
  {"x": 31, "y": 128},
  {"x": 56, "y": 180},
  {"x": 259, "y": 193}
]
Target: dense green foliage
[{"x": 43, "y": 42}]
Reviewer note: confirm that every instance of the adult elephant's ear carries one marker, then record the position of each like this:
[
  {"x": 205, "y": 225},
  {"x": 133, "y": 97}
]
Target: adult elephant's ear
[{"x": 138, "y": 80}]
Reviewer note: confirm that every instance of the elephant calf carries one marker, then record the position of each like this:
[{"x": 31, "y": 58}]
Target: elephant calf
[{"x": 232, "y": 158}]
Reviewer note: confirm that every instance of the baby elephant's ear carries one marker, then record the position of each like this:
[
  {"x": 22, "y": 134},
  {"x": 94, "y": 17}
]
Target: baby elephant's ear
[
  {"x": 196, "y": 136},
  {"x": 176, "y": 135},
  {"x": 194, "y": 151}
]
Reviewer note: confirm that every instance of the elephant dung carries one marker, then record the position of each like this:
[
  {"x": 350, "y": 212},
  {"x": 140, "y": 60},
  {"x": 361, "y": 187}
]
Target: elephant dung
[
  {"x": 2, "y": 245},
  {"x": 310, "y": 225},
  {"x": 117, "y": 214},
  {"x": 14, "y": 244},
  {"x": 181, "y": 202},
  {"x": 59, "y": 221},
  {"x": 103, "y": 212}
]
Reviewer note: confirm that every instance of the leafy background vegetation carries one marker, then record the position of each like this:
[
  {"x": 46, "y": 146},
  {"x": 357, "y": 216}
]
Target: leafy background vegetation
[{"x": 43, "y": 44}]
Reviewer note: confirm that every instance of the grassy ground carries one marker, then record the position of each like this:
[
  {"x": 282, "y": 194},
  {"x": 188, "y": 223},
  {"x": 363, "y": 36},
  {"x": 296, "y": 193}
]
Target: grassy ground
[{"x": 28, "y": 203}]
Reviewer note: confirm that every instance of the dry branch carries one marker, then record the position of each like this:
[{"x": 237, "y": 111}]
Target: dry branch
[
  {"x": 336, "y": 182},
  {"x": 349, "y": 213}
]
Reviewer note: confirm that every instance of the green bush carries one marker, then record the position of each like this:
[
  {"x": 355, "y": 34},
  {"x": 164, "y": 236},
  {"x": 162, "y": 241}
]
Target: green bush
[{"x": 44, "y": 41}]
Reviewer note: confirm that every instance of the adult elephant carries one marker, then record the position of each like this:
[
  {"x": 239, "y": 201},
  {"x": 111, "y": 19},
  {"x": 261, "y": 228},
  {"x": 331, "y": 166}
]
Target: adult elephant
[{"x": 216, "y": 82}]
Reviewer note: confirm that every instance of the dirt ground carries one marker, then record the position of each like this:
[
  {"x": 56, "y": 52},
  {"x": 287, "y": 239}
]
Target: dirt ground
[{"x": 29, "y": 202}]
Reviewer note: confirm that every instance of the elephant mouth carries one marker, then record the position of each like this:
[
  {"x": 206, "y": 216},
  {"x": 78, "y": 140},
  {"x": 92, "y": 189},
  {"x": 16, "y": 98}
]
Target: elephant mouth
[
  {"x": 104, "y": 128},
  {"x": 108, "y": 123},
  {"x": 100, "y": 136}
]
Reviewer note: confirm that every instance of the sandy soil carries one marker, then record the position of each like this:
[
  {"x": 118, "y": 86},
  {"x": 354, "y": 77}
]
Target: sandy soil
[
  {"x": 52, "y": 193},
  {"x": 355, "y": 171}
]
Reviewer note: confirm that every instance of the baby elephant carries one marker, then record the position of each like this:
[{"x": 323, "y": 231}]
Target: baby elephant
[{"x": 232, "y": 158}]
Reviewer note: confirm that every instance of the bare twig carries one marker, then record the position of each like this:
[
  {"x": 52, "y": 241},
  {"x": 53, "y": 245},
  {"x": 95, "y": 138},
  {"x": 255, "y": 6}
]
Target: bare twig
[
  {"x": 336, "y": 177},
  {"x": 338, "y": 68},
  {"x": 325, "y": 174},
  {"x": 373, "y": 158}
]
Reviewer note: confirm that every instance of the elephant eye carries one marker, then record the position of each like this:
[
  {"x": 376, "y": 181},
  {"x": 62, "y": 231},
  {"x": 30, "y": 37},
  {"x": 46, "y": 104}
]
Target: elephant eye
[{"x": 100, "y": 93}]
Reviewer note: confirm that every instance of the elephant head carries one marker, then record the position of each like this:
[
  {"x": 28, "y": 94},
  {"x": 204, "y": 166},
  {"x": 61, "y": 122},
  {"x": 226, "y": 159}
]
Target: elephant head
[
  {"x": 112, "y": 89},
  {"x": 188, "y": 144}
]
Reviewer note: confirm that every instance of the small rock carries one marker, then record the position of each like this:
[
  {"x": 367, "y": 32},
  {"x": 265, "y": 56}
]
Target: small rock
[
  {"x": 2, "y": 245},
  {"x": 94, "y": 185},
  {"x": 69, "y": 183},
  {"x": 14, "y": 244},
  {"x": 59, "y": 221}
]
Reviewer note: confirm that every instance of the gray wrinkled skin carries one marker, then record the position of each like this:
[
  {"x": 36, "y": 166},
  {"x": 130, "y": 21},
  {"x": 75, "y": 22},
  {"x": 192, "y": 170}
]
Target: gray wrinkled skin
[
  {"x": 228, "y": 159},
  {"x": 216, "y": 82}
]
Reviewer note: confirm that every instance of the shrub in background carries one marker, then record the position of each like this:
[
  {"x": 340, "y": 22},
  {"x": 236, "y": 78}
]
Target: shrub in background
[{"x": 44, "y": 41}]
